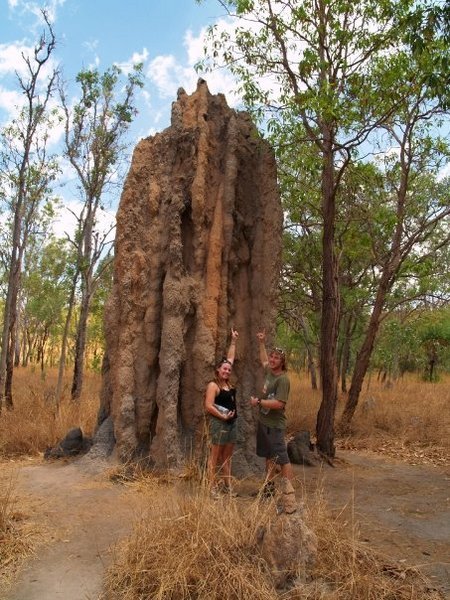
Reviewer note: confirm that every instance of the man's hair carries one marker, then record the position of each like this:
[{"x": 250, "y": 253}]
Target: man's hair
[{"x": 282, "y": 355}]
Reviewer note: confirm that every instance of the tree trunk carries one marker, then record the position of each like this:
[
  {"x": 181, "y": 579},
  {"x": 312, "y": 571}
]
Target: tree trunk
[
  {"x": 9, "y": 303},
  {"x": 9, "y": 373},
  {"x": 345, "y": 359},
  {"x": 17, "y": 345},
  {"x": 62, "y": 359},
  {"x": 7, "y": 351},
  {"x": 330, "y": 311},
  {"x": 309, "y": 352},
  {"x": 80, "y": 348},
  {"x": 312, "y": 369},
  {"x": 365, "y": 352}
]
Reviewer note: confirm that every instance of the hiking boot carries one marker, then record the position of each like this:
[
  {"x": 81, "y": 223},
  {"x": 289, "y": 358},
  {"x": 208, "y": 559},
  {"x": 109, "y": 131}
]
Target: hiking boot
[
  {"x": 214, "y": 493},
  {"x": 225, "y": 489},
  {"x": 268, "y": 490},
  {"x": 228, "y": 491}
]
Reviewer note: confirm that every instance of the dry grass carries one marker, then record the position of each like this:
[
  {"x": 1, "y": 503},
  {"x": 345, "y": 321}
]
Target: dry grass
[
  {"x": 26, "y": 431},
  {"x": 196, "y": 548},
  {"x": 34, "y": 423},
  {"x": 186, "y": 548},
  {"x": 18, "y": 534},
  {"x": 409, "y": 419},
  {"x": 348, "y": 569}
]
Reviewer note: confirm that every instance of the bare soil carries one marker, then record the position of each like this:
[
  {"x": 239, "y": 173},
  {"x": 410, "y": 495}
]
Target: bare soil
[{"x": 401, "y": 511}]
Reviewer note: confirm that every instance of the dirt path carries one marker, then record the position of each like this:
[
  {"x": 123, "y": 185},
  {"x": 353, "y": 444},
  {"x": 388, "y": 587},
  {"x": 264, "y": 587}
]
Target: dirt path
[
  {"x": 86, "y": 515},
  {"x": 401, "y": 511}
]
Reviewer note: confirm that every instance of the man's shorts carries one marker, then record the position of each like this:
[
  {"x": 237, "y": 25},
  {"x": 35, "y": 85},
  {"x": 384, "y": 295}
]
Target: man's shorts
[
  {"x": 270, "y": 443},
  {"x": 222, "y": 432}
]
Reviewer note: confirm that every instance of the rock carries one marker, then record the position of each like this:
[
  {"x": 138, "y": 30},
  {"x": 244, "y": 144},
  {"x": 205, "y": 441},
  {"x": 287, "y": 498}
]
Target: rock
[
  {"x": 198, "y": 250},
  {"x": 103, "y": 442},
  {"x": 73, "y": 444},
  {"x": 289, "y": 547},
  {"x": 288, "y": 501},
  {"x": 300, "y": 449}
]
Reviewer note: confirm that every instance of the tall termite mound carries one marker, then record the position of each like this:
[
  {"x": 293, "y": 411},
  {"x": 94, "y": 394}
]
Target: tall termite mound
[{"x": 198, "y": 250}]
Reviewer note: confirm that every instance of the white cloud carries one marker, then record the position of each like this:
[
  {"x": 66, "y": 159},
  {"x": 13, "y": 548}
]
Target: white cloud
[
  {"x": 220, "y": 80},
  {"x": 444, "y": 172},
  {"x": 136, "y": 58},
  {"x": 11, "y": 58},
  {"x": 194, "y": 46},
  {"x": 10, "y": 100},
  {"x": 65, "y": 223},
  {"x": 169, "y": 74},
  {"x": 35, "y": 8},
  {"x": 164, "y": 72}
]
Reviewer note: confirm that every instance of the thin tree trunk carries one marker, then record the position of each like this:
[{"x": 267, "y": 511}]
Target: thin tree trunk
[
  {"x": 309, "y": 352},
  {"x": 17, "y": 345},
  {"x": 330, "y": 312},
  {"x": 80, "y": 348},
  {"x": 312, "y": 368},
  {"x": 346, "y": 346},
  {"x": 11, "y": 297},
  {"x": 365, "y": 352},
  {"x": 9, "y": 373},
  {"x": 62, "y": 359}
]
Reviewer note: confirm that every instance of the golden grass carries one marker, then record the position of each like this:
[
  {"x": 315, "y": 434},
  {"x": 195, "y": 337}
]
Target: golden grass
[
  {"x": 19, "y": 535},
  {"x": 410, "y": 414},
  {"x": 194, "y": 547},
  {"x": 348, "y": 569},
  {"x": 185, "y": 548},
  {"x": 34, "y": 424}
]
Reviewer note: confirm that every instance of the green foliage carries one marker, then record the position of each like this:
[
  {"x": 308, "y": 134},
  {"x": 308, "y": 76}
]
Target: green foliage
[
  {"x": 96, "y": 124},
  {"x": 398, "y": 348},
  {"x": 415, "y": 341},
  {"x": 335, "y": 78},
  {"x": 45, "y": 287}
]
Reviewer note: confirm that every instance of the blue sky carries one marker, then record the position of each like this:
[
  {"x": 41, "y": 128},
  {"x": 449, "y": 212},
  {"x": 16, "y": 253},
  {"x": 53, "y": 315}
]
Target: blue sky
[{"x": 166, "y": 35}]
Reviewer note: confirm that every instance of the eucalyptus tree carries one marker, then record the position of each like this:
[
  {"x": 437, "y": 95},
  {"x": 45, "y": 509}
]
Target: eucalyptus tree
[
  {"x": 416, "y": 211},
  {"x": 45, "y": 282},
  {"x": 311, "y": 62},
  {"x": 300, "y": 283},
  {"x": 95, "y": 144},
  {"x": 26, "y": 174},
  {"x": 435, "y": 340}
]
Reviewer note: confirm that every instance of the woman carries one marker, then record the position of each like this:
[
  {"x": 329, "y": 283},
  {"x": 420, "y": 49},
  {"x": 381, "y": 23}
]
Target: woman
[{"x": 220, "y": 404}]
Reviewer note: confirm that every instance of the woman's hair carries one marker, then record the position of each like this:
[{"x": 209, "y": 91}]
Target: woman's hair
[
  {"x": 222, "y": 361},
  {"x": 217, "y": 367}
]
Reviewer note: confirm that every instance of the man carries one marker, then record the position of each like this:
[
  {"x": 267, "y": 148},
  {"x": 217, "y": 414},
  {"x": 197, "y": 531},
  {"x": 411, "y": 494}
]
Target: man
[{"x": 270, "y": 437}]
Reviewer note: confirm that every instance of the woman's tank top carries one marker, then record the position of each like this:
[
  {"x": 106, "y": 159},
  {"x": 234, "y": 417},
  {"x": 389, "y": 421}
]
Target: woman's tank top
[{"x": 227, "y": 399}]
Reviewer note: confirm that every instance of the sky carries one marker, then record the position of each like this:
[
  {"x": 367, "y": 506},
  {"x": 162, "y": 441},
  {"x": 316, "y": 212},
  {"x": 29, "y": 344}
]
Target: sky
[{"x": 165, "y": 35}]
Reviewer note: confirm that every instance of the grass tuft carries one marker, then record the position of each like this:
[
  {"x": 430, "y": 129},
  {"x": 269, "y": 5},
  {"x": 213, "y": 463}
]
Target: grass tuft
[
  {"x": 194, "y": 547},
  {"x": 35, "y": 423}
]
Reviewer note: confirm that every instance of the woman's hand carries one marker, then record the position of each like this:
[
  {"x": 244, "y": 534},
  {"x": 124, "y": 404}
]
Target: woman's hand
[{"x": 254, "y": 401}]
